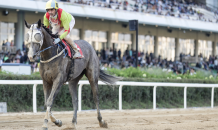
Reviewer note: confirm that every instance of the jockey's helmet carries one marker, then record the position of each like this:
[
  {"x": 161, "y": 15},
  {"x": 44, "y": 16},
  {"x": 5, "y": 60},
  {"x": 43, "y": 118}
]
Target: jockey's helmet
[{"x": 51, "y": 4}]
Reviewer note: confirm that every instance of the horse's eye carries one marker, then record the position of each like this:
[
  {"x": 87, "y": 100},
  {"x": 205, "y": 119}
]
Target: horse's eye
[
  {"x": 27, "y": 36},
  {"x": 38, "y": 37}
]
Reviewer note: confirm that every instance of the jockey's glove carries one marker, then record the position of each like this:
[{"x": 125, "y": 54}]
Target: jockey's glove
[{"x": 57, "y": 40}]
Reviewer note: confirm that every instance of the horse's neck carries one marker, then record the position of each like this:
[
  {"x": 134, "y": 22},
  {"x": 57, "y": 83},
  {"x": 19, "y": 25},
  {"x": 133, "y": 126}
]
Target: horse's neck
[{"x": 49, "y": 53}]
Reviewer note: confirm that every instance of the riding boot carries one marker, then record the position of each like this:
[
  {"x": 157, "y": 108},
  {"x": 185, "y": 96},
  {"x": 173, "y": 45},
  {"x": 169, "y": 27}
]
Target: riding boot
[{"x": 73, "y": 45}]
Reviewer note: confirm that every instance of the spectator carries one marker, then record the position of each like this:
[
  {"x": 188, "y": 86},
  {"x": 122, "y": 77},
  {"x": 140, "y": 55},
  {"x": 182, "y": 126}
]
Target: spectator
[
  {"x": 111, "y": 1},
  {"x": 107, "y": 53},
  {"x": 130, "y": 52},
  {"x": 6, "y": 58},
  {"x": 103, "y": 54},
  {"x": 104, "y": 67},
  {"x": 23, "y": 47},
  {"x": 114, "y": 54},
  {"x": 3, "y": 43},
  {"x": 12, "y": 43},
  {"x": 8, "y": 44},
  {"x": 24, "y": 58},
  {"x": 215, "y": 63},
  {"x": 1, "y": 61},
  {"x": 119, "y": 53}
]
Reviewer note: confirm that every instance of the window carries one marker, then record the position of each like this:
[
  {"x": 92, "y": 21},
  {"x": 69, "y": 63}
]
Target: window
[{"x": 6, "y": 32}]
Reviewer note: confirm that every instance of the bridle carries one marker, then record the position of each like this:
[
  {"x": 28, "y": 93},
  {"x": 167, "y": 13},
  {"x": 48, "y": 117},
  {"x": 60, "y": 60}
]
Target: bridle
[{"x": 37, "y": 31}]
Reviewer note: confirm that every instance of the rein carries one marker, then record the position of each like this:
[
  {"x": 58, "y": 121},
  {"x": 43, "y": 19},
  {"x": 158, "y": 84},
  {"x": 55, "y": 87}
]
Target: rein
[
  {"x": 37, "y": 53},
  {"x": 53, "y": 57}
]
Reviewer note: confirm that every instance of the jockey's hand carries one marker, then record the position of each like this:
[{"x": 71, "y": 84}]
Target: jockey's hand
[{"x": 57, "y": 40}]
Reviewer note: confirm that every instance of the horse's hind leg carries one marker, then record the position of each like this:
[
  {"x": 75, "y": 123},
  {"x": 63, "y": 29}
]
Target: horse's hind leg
[
  {"x": 73, "y": 91},
  {"x": 92, "y": 75}
]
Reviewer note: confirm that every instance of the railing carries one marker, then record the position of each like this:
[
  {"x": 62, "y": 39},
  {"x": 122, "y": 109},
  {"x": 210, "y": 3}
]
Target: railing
[
  {"x": 5, "y": 49},
  {"x": 121, "y": 84}
]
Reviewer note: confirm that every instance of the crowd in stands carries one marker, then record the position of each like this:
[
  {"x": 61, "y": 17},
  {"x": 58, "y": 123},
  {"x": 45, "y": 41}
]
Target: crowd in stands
[
  {"x": 116, "y": 59},
  {"x": 112, "y": 59},
  {"x": 20, "y": 56},
  {"x": 186, "y": 9},
  {"x": 175, "y": 8},
  {"x": 7, "y": 45}
]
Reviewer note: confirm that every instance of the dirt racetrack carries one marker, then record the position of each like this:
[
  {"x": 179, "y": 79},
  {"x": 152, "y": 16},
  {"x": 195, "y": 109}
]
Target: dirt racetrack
[{"x": 167, "y": 119}]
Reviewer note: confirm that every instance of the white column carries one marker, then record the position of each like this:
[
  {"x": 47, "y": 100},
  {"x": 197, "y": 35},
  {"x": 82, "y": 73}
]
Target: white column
[
  {"x": 82, "y": 34},
  {"x": 19, "y": 31},
  {"x": 214, "y": 48},
  {"x": 109, "y": 38},
  {"x": 196, "y": 49},
  {"x": 133, "y": 41},
  {"x": 177, "y": 49},
  {"x": 156, "y": 46}
]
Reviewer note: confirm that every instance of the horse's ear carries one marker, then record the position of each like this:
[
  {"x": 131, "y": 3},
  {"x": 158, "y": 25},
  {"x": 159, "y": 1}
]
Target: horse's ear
[
  {"x": 39, "y": 23},
  {"x": 27, "y": 25}
]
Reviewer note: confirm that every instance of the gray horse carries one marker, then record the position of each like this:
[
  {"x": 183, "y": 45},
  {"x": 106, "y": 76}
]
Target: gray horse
[{"x": 55, "y": 70}]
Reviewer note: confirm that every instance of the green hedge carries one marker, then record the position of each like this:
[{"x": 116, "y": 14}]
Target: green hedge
[{"x": 19, "y": 97}]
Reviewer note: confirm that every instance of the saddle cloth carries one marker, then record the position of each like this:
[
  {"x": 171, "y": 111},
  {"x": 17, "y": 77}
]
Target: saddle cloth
[{"x": 70, "y": 51}]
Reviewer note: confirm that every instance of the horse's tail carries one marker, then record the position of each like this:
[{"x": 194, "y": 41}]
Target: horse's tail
[{"x": 108, "y": 79}]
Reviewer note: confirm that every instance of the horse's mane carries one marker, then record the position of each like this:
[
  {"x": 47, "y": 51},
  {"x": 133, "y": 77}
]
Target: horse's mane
[{"x": 49, "y": 32}]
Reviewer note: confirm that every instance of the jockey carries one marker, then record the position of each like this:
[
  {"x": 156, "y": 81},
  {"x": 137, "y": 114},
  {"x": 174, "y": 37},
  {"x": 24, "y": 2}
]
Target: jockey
[{"x": 61, "y": 23}]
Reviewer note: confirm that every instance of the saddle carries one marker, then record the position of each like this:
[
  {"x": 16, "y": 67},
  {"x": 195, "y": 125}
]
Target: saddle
[{"x": 69, "y": 50}]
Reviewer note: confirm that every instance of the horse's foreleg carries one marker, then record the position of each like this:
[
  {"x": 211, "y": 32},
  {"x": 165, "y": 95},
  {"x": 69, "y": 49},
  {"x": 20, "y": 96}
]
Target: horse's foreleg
[
  {"x": 45, "y": 124},
  {"x": 55, "y": 89},
  {"x": 47, "y": 90}
]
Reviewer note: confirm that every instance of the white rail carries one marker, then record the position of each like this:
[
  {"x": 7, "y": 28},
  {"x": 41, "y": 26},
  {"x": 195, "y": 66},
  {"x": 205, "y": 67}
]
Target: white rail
[{"x": 121, "y": 84}]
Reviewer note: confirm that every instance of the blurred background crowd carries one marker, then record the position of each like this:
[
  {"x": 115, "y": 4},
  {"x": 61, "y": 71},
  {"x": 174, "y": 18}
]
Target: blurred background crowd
[
  {"x": 110, "y": 58},
  {"x": 187, "y": 9},
  {"x": 113, "y": 58}
]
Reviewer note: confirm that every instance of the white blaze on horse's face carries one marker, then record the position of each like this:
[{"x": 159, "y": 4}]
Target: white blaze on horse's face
[{"x": 33, "y": 37}]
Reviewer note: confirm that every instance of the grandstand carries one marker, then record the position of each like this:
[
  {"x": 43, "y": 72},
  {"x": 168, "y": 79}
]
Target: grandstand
[
  {"x": 181, "y": 9},
  {"x": 166, "y": 27}
]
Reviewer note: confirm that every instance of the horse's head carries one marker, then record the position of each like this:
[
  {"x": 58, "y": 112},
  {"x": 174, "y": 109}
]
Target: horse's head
[{"x": 34, "y": 38}]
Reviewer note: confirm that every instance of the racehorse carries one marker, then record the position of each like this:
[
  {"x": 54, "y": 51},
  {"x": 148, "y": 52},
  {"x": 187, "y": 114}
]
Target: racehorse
[{"x": 55, "y": 70}]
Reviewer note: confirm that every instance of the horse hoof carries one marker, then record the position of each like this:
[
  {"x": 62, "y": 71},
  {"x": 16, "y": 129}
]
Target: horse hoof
[
  {"x": 103, "y": 124},
  {"x": 58, "y": 123},
  {"x": 74, "y": 125},
  {"x": 43, "y": 128}
]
